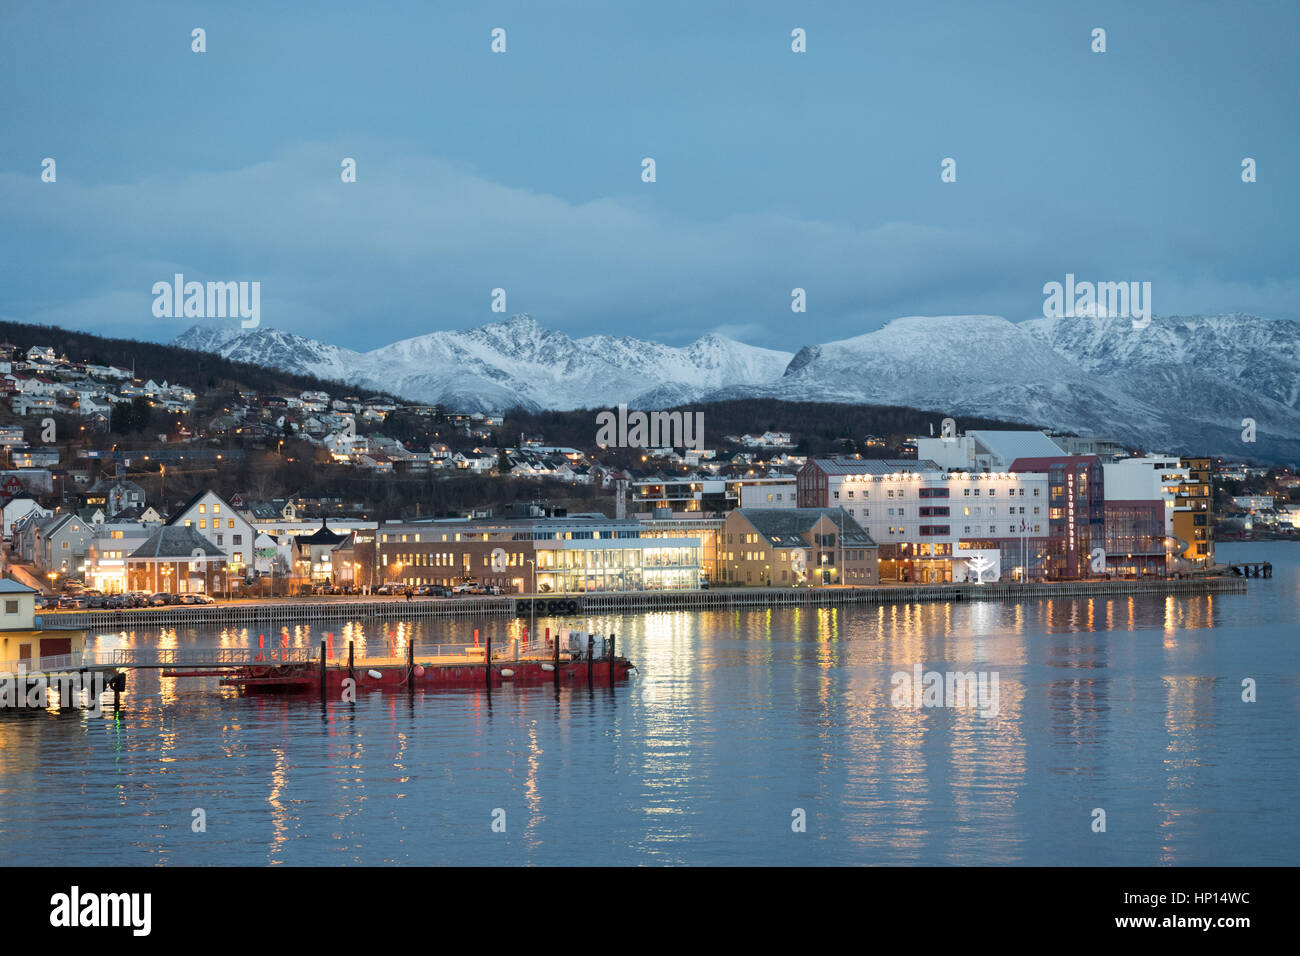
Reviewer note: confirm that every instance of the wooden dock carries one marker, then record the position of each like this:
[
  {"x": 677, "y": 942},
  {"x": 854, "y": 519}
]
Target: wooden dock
[{"x": 255, "y": 615}]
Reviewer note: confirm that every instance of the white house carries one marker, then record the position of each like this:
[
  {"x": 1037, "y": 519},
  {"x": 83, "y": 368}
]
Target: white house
[{"x": 220, "y": 523}]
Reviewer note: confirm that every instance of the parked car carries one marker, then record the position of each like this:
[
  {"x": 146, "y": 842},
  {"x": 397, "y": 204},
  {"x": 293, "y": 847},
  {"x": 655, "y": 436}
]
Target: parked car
[{"x": 159, "y": 600}]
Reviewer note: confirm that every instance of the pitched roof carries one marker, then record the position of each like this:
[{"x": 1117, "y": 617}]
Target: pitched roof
[
  {"x": 1008, "y": 445},
  {"x": 785, "y": 527},
  {"x": 322, "y": 535},
  {"x": 874, "y": 466},
  {"x": 8, "y": 586},
  {"x": 176, "y": 541},
  {"x": 175, "y": 515},
  {"x": 1043, "y": 464}
]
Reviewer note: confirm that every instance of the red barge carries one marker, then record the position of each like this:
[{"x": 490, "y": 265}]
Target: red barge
[
  {"x": 394, "y": 674},
  {"x": 561, "y": 662}
]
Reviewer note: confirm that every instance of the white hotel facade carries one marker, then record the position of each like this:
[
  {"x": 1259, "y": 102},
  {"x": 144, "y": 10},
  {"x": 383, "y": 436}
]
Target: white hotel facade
[{"x": 923, "y": 517}]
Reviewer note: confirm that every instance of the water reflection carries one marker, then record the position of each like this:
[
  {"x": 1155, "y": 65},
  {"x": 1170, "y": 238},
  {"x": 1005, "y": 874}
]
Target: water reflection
[{"x": 735, "y": 720}]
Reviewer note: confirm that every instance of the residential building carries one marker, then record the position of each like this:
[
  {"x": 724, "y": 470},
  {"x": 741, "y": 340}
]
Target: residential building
[
  {"x": 1192, "y": 514},
  {"x": 221, "y": 524},
  {"x": 694, "y": 494}
]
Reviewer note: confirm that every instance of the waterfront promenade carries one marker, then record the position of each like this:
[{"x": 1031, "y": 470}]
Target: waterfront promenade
[{"x": 258, "y": 613}]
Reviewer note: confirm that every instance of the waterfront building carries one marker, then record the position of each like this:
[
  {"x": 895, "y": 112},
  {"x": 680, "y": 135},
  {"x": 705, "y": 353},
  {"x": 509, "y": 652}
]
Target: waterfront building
[
  {"x": 571, "y": 554},
  {"x": 708, "y": 530},
  {"x": 109, "y": 548},
  {"x": 178, "y": 559},
  {"x": 789, "y": 547},
  {"x": 220, "y": 523},
  {"x": 1076, "y": 512},
  {"x": 1192, "y": 514},
  {"x": 313, "y": 554},
  {"x": 928, "y": 522},
  {"x": 1140, "y": 495},
  {"x": 20, "y": 640}
]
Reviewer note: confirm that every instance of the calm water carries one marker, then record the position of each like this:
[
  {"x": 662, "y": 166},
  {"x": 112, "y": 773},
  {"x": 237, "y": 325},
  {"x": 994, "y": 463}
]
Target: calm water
[{"x": 734, "y": 721}]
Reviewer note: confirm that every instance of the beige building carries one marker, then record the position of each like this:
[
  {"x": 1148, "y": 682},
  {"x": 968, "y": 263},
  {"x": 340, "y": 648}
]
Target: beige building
[{"x": 797, "y": 547}]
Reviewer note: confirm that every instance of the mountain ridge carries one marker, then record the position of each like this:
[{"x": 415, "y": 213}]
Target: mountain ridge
[{"x": 1184, "y": 383}]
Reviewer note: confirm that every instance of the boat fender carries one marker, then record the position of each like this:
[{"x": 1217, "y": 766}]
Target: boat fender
[
  {"x": 507, "y": 673},
  {"x": 573, "y": 607},
  {"x": 375, "y": 674},
  {"x": 419, "y": 670},
  {"x": 548, "y": 667}
]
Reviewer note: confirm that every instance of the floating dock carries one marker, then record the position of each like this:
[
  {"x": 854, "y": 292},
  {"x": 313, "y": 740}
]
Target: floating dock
[{"x": 569, "y": 659}]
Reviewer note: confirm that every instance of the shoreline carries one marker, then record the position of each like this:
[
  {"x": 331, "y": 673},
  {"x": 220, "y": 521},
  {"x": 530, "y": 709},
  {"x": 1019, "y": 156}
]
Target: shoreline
[{"x": 257, "y": 613}]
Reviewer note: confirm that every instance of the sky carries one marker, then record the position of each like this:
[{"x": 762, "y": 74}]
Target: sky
[{"x": 522, "y": 170}]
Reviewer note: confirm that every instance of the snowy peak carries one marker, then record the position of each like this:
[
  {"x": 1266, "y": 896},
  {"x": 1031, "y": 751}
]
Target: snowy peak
[{"x": 1183, "y": 383}]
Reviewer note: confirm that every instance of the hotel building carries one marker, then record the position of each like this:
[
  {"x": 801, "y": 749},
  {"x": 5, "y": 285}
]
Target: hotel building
[{"x": 926, "y": 520}]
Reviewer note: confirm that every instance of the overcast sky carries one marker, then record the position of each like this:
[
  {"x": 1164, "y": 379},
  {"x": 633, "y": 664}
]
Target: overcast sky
[{"x": 522, "y": 170}]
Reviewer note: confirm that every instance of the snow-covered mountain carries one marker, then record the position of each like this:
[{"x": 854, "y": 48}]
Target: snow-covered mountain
[
  {"x": 1181, "y": 384},
  {"x": 515, "y": 362}
]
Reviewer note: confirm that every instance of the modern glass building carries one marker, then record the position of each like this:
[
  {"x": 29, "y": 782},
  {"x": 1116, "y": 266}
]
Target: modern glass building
[{"x": 571, "y": 555}]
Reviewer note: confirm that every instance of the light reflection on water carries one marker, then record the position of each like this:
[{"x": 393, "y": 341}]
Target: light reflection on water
[{"x": 736, "y": 719}]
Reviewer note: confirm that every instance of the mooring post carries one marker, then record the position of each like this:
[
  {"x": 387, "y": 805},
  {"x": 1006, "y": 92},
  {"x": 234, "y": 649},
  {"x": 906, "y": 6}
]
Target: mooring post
[
  {"x": 351, "y": 673},
  {"x": 487, "y": 660},
  {"x": 555, "y": 658},
  {"x": 591, "y": 664},
  {"x": 611, "y": 661},
  {"x": 323, "y": 650},
  {"x": 410, "y": 662}
]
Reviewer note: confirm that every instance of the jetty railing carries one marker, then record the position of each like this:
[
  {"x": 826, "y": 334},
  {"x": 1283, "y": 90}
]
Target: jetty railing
[{"x": 159, "y": 657}]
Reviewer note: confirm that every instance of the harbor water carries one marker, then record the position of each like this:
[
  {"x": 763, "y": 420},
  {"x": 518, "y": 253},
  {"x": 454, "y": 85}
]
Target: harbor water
[{"x": 745, "y": 737}]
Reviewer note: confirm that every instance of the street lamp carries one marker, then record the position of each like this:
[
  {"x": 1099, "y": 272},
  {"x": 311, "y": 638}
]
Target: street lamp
[{"x": 532, "y": 605}]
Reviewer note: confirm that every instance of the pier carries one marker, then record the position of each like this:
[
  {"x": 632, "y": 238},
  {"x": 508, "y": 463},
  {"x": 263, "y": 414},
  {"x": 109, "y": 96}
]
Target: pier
[
  {"x": 1252, "y": 569},
  {"x": 254, "y": 615}
]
